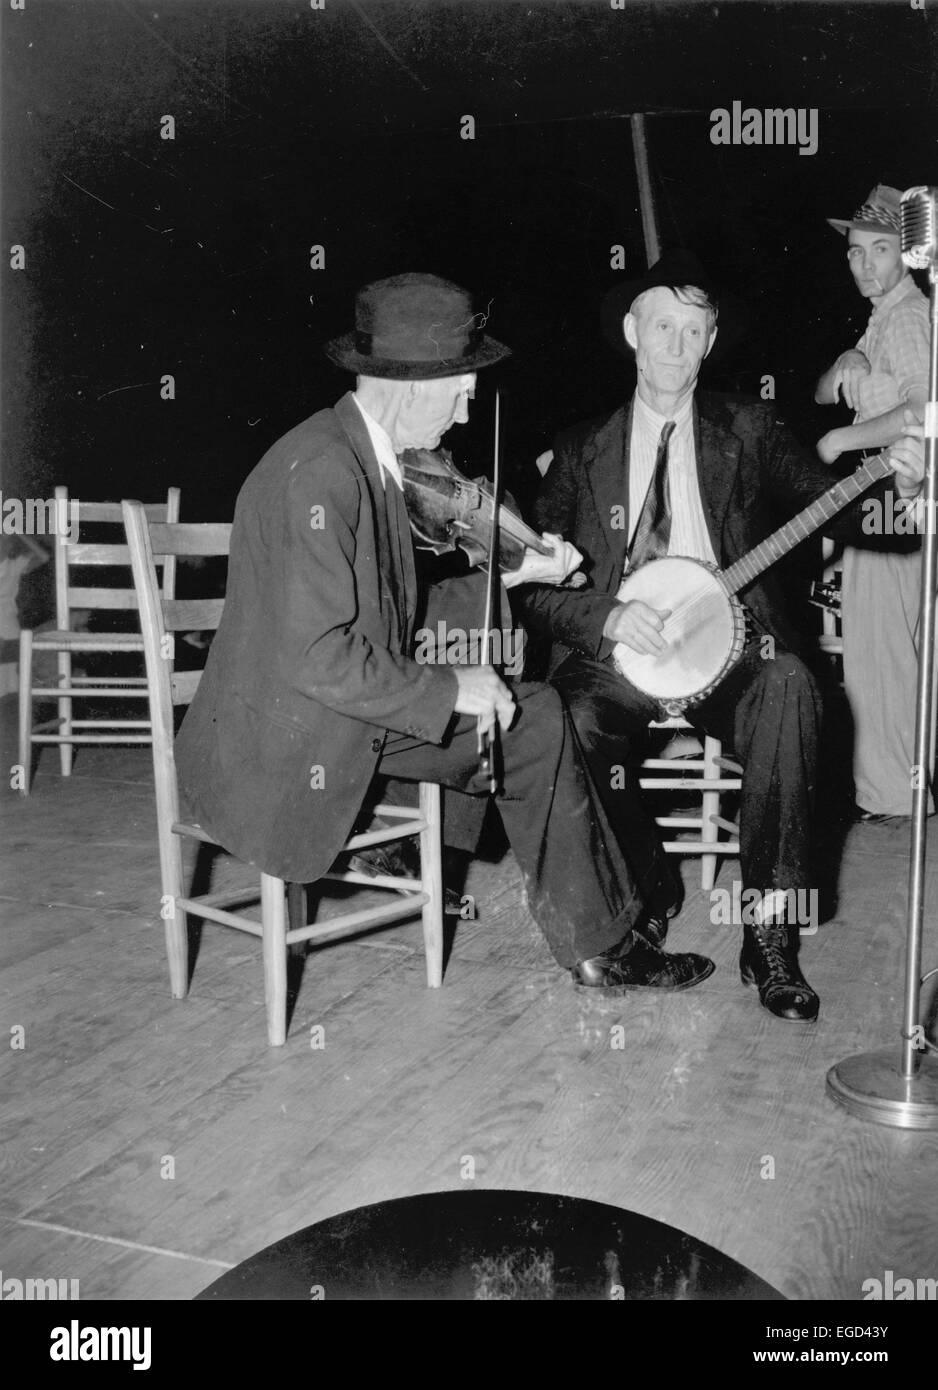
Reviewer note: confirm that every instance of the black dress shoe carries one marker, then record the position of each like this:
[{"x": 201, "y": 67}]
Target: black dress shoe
[
  {"x": 769, "y": 961},
  {"x": 641, "y": 966},
  {"x": 400, "y": 859}
]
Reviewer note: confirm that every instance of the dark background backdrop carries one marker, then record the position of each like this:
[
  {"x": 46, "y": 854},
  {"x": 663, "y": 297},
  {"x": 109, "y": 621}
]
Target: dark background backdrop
[{"x": 341, "y": 127}]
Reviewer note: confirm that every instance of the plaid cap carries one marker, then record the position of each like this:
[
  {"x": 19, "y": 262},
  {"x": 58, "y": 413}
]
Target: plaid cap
[{"x": 880, "y": 212}]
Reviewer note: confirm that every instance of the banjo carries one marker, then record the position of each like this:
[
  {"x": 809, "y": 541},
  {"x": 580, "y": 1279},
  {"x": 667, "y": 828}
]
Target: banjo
[{"x": 706, "y": 629}]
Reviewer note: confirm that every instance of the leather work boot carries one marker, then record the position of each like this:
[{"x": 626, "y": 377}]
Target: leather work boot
[
  {"x": 769, "y": 960},
  {"x": 636, "y": 964}
]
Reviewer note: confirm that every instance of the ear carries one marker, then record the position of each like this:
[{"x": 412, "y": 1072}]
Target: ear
[
  {"x": 713, "y": 338},
  {"x": 628, "y": 328}
]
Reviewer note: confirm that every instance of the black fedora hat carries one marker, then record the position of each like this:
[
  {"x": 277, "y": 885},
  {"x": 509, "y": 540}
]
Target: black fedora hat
[
  {"x": 676, "y": 269},
  {"x": 414, "y": 327}
]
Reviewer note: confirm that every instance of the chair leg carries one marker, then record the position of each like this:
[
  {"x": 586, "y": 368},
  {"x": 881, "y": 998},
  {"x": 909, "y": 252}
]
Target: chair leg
[
  {"x": 709, "y": 830},
  {"x": 274, "y": 925},
  {"x": 177, "y": 933},
  {"x": 296, "y": 915},
  {"x": 25, "y": 745},
  {"x": 65, "y": 712},
  {"x": 431, "y": 874}
]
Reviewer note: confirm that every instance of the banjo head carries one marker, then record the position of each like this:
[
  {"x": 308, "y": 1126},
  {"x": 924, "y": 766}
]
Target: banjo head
[{"x": 704, "y": 631}]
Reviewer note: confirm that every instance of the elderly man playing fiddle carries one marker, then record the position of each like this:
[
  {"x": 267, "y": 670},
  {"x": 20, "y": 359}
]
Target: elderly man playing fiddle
[{"x": 312, "y": 665}]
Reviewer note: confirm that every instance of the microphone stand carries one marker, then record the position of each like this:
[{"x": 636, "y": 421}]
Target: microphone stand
[{"x": 902, "y": 1090}]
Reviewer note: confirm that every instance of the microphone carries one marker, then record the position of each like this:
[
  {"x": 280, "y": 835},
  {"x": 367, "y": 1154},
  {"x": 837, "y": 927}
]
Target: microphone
[{"x": 918, "y": 227}]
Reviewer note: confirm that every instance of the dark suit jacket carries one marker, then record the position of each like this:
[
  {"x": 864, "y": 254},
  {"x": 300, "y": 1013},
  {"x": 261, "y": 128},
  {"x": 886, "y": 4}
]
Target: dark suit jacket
[
  {"x": 308, "y": 670},
  {"x": 752, "y": 473}
]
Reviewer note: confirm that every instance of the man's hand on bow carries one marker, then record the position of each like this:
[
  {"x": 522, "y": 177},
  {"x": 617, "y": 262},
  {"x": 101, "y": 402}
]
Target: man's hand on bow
[{"x": 484, "y": 695}]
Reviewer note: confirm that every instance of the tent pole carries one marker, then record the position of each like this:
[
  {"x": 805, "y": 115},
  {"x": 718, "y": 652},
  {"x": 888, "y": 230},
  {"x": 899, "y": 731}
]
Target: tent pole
[{"x": 646, "y": 199}]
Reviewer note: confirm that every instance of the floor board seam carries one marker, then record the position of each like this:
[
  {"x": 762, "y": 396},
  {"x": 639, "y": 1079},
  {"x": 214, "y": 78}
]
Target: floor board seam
[{"x": 118, "y": 1240}]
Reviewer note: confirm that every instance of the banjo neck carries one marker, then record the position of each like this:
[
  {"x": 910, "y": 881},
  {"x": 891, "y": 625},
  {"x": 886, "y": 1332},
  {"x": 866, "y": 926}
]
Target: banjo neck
[{"x": 804, "y": 524}]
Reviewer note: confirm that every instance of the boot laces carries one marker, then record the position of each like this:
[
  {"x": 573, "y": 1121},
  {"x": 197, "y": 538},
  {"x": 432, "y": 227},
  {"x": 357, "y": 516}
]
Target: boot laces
[{"x": 773, "y": 939}]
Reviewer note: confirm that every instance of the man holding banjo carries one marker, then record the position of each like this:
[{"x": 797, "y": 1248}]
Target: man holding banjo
[{"x": 674, "y": 473}]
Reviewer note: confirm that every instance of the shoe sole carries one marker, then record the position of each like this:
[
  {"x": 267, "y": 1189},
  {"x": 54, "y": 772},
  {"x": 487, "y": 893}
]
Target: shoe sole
[{"x": 611, "y": 991}]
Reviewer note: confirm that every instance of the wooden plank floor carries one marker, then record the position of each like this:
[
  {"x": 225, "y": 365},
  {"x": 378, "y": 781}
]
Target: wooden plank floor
[{"x": 506, "y": 1064}]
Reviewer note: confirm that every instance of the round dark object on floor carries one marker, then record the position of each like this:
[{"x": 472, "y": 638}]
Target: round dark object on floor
[{"x": 487, "y": 1244}]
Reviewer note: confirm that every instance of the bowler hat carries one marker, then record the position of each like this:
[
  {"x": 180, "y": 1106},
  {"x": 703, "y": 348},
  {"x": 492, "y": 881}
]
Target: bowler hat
[
  {"x": 880, "y": 212},
  {"x": 412, "y": 327},
  {"x": 677, "y": 268}
]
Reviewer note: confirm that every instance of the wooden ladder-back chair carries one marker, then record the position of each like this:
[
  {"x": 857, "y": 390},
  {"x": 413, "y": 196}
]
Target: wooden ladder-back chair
[
  {"x": 710, "y": 775},
  {"x": 72, "y": 552},
  {"x": 159, "y": 619}
]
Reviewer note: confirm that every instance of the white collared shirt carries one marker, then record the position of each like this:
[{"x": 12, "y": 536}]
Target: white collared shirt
[
  {"x": 384, "y": 449},
  {"x": 689, "y": 534}
]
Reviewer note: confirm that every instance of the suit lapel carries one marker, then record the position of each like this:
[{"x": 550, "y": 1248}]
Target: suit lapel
[
  {"x": 392, "y": 527},
  {"x": 718, "y": 453},
  {"x": 606, "y": 465}
]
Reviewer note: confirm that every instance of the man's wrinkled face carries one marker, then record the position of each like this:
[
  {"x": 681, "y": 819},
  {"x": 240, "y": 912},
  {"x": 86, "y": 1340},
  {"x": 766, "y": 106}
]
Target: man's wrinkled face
[
  {"x": 670, "y": 340},
  {"x": 875, "y": 261},
  {"x": 431, "y": 407}
]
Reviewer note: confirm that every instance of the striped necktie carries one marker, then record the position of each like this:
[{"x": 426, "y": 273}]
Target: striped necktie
[{"x": 653, "y": 531}]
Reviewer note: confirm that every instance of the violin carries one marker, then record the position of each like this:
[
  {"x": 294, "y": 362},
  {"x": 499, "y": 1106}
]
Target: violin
[{"x": 447, "y": 510}]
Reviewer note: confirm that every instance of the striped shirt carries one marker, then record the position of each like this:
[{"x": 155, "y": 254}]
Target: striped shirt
[{"x": 689, "y": 534}]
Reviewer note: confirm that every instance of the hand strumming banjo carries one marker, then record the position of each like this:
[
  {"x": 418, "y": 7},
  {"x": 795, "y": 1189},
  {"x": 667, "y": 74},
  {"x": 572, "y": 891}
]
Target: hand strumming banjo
[{"x": 706, "y": 632}]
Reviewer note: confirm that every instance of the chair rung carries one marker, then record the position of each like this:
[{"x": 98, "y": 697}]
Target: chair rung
[
  {"x": 195, "y": 832},
  {"x": 688, "y": 764},
  {"x": 375, "y": 880},
  {"x": 198, "y": 908},
  {"x": 368, "y": 916},
  {"x": 399, "y": 811},
  {"x": 729, "y": 765},
  {"x": 103, "y": 692},
  {"x": 346, "y": 921},
  {"x": 675, "y": 822},
  {"x": 724, "y": 824},
  {"x": 116, "y": 681},
  {"x": 90, "y": 738},
  {"x": 726, "y": 849},
  {"x": 111, "y": 724},
  {"x": 675, "y": 784},
  {"x": 379, "y": 836},
  {"x": 228, "y": 897},
  {"x": 88, "y": 642}
]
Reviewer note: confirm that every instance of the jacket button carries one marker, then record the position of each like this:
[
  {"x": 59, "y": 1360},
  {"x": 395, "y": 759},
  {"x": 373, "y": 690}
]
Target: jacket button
[{"x": 376, "y": 745}]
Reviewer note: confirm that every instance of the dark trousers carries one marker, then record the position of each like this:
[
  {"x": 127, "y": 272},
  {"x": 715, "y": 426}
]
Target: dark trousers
[
  {"x": 578, "y": 885},
  {"x": 768, "y": 711}
]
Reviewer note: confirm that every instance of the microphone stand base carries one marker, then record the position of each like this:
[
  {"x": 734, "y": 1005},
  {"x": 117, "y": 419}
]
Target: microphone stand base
[{"x": 871, "y": 1086}]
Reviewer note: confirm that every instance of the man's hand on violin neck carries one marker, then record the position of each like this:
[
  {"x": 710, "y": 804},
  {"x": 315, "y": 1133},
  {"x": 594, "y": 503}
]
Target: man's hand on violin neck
[
  {"x": 484, "y": 695},
  {"x": 638, "y": 626},
  {"x": 545, "y": 569}
]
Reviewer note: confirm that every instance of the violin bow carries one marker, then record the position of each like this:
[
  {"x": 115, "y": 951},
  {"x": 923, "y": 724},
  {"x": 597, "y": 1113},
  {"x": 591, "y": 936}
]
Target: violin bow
[{"x": 488, "y": 739}]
